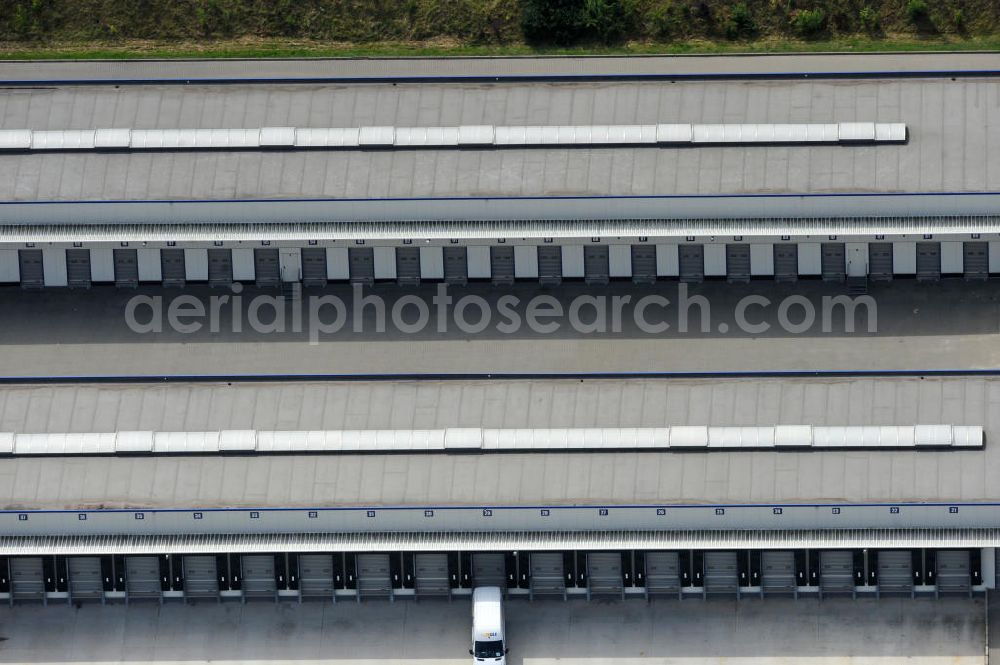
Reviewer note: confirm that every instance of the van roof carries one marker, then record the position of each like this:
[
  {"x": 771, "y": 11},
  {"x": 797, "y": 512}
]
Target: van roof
[{"x": 487, "y": 613}]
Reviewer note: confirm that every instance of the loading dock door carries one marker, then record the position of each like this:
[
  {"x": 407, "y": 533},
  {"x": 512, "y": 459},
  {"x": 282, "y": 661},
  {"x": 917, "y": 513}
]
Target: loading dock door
[
  {"x": 313, "y": 266},
  {"x": 836, "y": 572},
  {"x": 142, "y": 577},
  {"x": 126, "y": 268},
  {"x": 928, "y": 261},
  {"x": 833, "y": 262},
  {"x": 172, "y": 267},
  {"x": 78, "y": 268},
  {"x": 267, "y": 267},
  {"x": 721, "y": 573},
  {"x": 549, "y": 265},
  {"x": 663, "y": 573},
  {"x": 692, "y": 263},
  {"x": 408, "y": 266},
  {"x": 953, "y": 572},
  {"x": 374, "y": 577},
  {"x": 85, "y": 580},
  {"x": 32, "y": 270},
  {"x": 596, "y": 264},
  {"x": 432, "y": 575},
  {"x": 976, "y": 260},
  {"x": 27, "y": 579},
  {"x": 488, "y": 569},
  {"x": 604, "y": 574},
  {"x": 456, "y": 265},
  {"x": 777, "y": 574},
  {"x": 880, "y": 261},
  {"x": 201, "y": 578},
  {"x": 643, "y": 264},
  {"x": 316, "y": 576},
  {"x": 502, "y": 264},
  {"x": 786, "y": 262},
  {"x": 547, "y": 575},
  {"x": 258, "y": 576},
  {"x": 737, "y": 263},
  {"x": 220, "y": 267},
  {"x": 362, "y": 265},
  {"x": 895, "y": 572}
]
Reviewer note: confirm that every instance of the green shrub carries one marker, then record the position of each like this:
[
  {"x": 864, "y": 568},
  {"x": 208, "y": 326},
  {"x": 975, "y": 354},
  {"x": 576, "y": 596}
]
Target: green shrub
[
  {"x": 670, "y": 19},
  {"x": 607, "y": 21},
  {"x": 870, "y": 22},
  {"x": 741, "y": 23},
  {"x": 958, "y": 20},
  {"x": 916, "y": 10},
  {"x": 552, "y": 21},
  {"x": 809, "y": 23}
]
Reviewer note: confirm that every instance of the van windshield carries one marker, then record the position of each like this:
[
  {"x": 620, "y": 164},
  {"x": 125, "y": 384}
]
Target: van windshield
[{"x": 492, "y": 649}]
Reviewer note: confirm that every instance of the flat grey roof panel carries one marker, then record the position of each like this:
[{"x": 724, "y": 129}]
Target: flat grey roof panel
[
  {"x": 950, "y": 122},
  {"x": 557, "y": 478}
]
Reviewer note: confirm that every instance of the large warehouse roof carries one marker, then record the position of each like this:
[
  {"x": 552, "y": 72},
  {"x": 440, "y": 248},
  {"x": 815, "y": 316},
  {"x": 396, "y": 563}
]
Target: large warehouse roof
[
  {"x": 510, "y": 479},
  {"x": 950, "y": 122}
]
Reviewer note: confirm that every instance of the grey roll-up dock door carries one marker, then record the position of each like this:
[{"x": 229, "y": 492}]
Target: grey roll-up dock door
[
  {"x": 316, "y": 576},
  {"x": 78, "y": 268},
  {"x": 431, "y": 572},
  {"x": 738, "y": 263},
  {"x": 643, "y": 264},
  {"x": 267, "y": 267},
  {"x": 895, "y": 572},
  {"x": 976, "y": 260},
  {"x": 456, "y": 265},
  {"x": 663, "y": 573},
  {"x": 604, "y": 574},
  {"x": 374, "y": 576},
  {"x": 258, "y": 576},
  {"x": 596, "y": 264},
  {"x": 880, "y": 261},
  {"x": 142, "y": 578},
  {"x": 833, "y": 261},
  {"x": 777, "y": 573},
  {"x": 502, "y": 265},
  {"x": 836, "y": 572},
  {"x": 489, "y": 569},
  {"x": 172, "y": 268},
  {"x": 691, "y": 262},
  {"x": 786, "y": 262},
  {"x": 547, "y": 575},
  {"x": 31, "y": 267},
  {"x": 220, "y": 267},
  {"x": 954, "y": 572},
  {"x": 721, "y": 574},
  {"x": 85, "y": 580},
  {"x": 201, "y": 577},
  {"x": 928, "y": 261},
  {"x": 361, "y": 262},
  {"x": 314, "y": 270},
  {"x": 408, "y": 266},
  {"x": 126, "y": 268},
  {"x": 550, "y": 268},
  {"x": 27, "y": 579}
]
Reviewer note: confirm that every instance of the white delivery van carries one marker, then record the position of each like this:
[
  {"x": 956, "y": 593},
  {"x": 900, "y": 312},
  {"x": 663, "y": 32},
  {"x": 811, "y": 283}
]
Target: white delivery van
[{"x": 488, "y": 642}]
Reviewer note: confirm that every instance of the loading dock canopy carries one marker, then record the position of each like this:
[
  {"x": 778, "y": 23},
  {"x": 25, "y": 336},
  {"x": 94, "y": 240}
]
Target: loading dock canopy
[
  {"x": 685, "y": 437},
  {"x": 500, "y": 541},
  {"x": 443, "y": 137}
]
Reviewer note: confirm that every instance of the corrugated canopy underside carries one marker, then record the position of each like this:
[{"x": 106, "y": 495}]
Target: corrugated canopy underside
[{"x": 500, "y": 541}]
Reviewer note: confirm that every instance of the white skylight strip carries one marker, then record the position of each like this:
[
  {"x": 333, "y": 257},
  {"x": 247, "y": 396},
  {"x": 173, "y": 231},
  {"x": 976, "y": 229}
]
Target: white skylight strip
[
  {"x": 291, "y": 138},
  {"x": 678, "y": 437}
]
